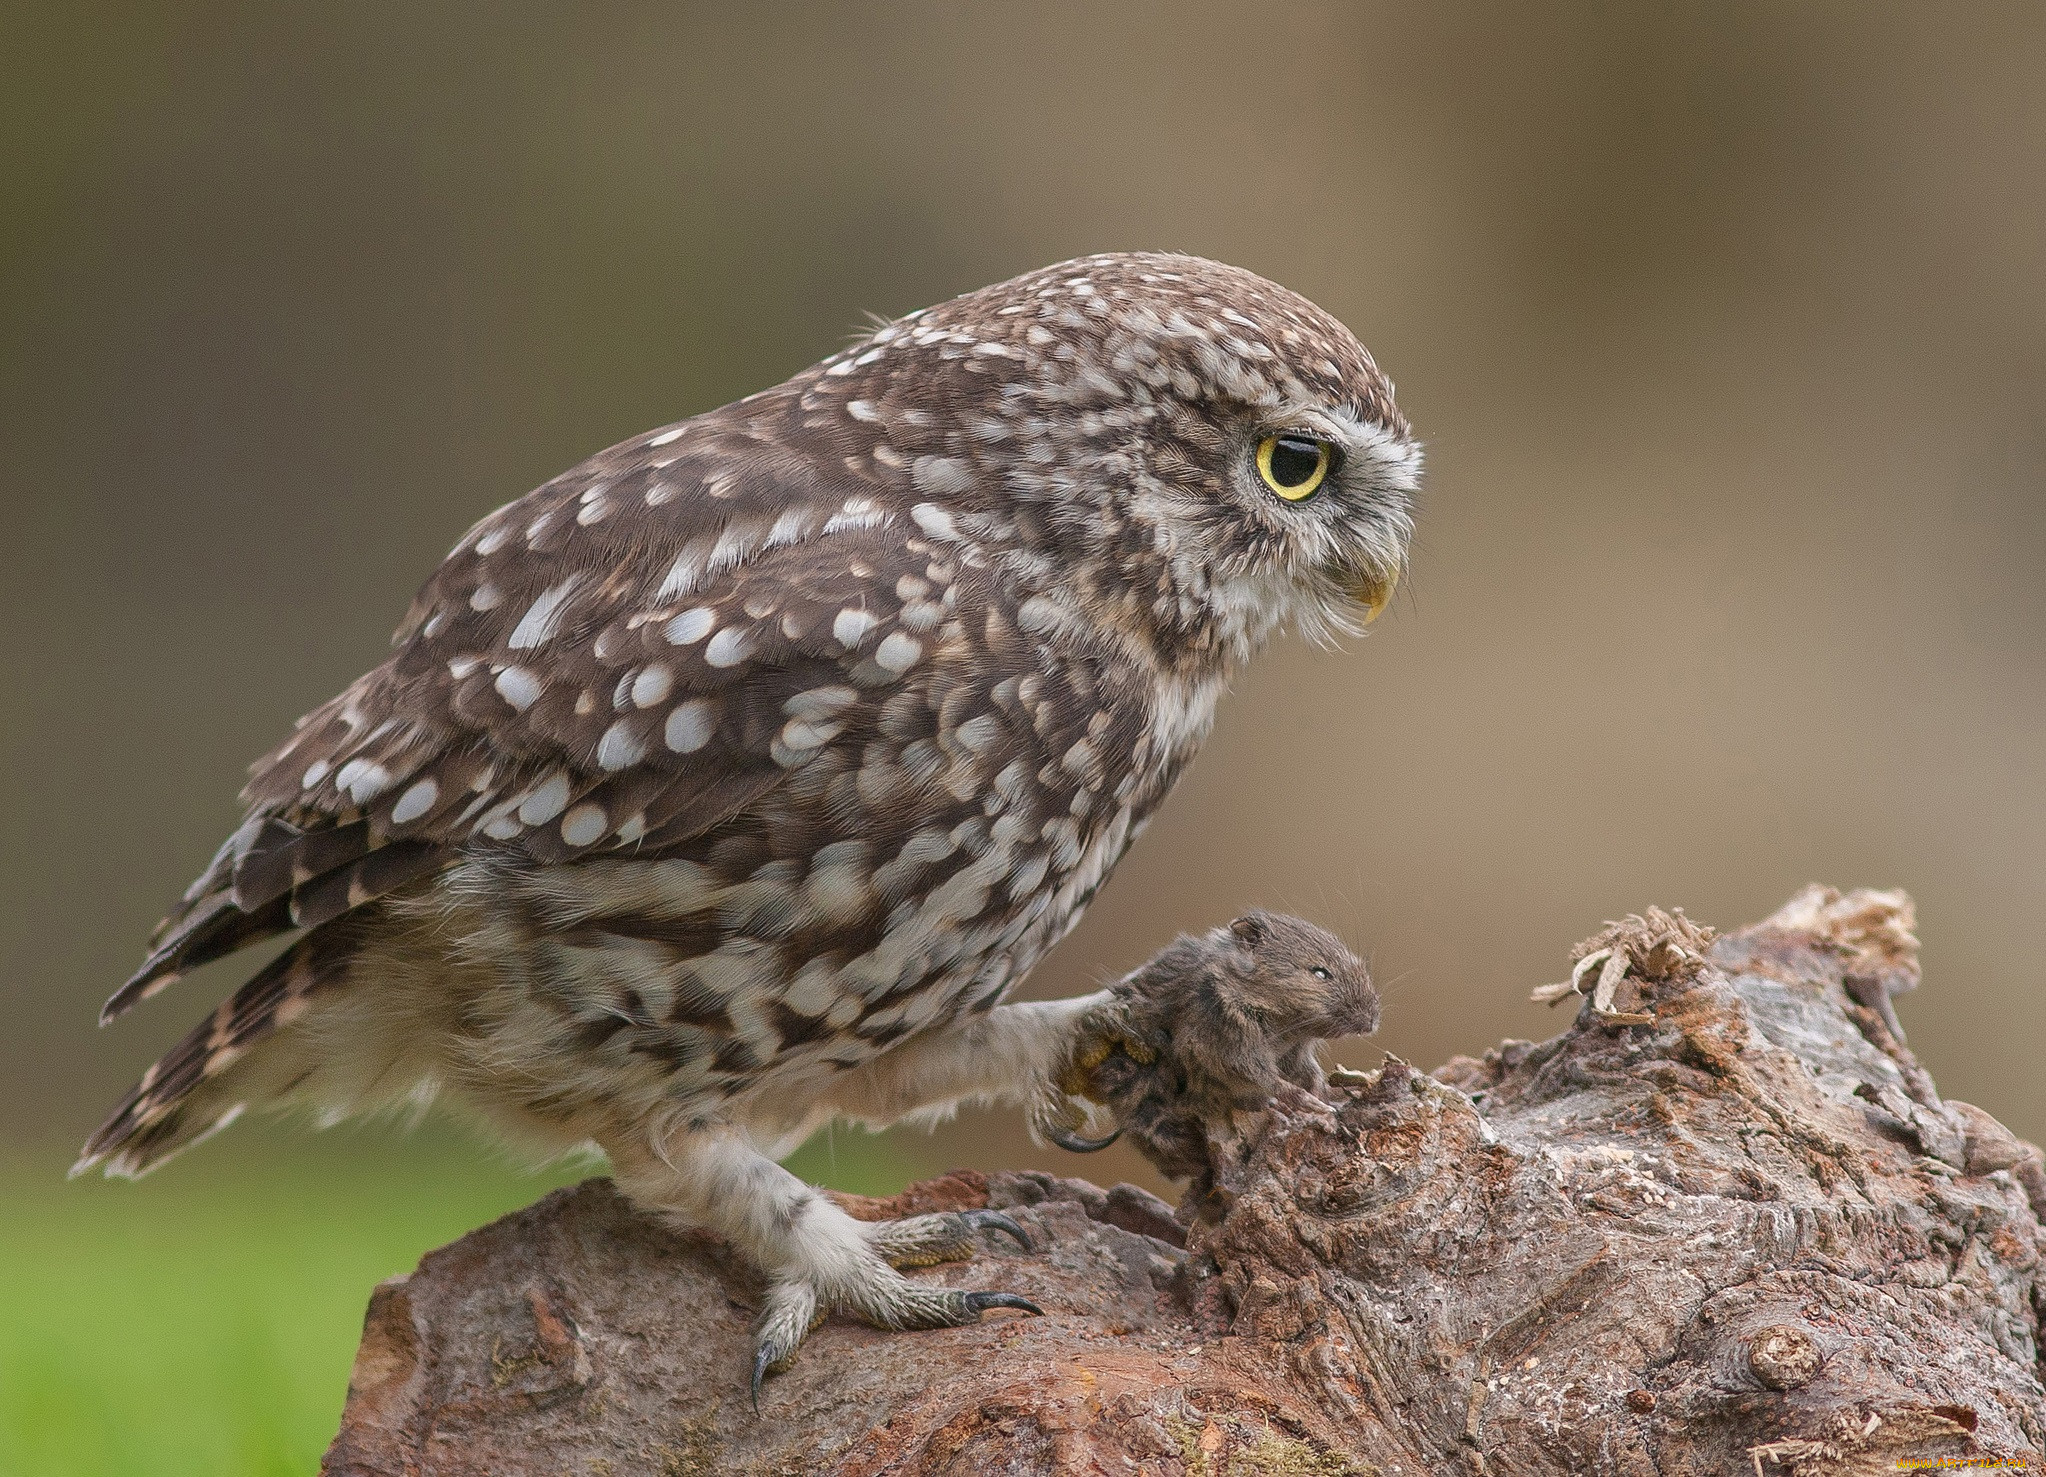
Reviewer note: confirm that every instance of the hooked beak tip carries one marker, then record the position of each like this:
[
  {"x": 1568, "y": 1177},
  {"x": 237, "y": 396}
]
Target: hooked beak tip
[{"x": 1372, "y": 592}]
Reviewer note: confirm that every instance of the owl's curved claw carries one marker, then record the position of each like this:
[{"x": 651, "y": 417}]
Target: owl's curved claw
[
  {"x": 1073, "y": 1143},
  {"x": 994, "y": 1220}
]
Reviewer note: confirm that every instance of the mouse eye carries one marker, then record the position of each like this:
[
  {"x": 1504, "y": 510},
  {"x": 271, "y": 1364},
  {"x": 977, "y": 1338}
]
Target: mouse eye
[
  {"x": 1294, "y": 466},
  {"x": 1320, "y": 973}
]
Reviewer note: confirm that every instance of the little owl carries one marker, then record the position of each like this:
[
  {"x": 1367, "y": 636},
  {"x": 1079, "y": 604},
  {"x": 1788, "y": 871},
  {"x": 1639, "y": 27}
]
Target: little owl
[{"x": 726, "y": 784}]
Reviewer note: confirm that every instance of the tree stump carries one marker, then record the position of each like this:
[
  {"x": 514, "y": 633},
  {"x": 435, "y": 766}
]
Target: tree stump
[{"x": 1723, "y": 1223}]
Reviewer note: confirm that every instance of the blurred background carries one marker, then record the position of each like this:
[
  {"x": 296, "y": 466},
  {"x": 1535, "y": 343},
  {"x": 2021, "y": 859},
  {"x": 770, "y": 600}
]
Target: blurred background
[{"x": 1725, "y": 326}]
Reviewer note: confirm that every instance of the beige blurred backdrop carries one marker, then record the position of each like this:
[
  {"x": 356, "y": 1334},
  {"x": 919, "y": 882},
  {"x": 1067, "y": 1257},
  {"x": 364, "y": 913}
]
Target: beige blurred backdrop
[{"x": 1725, "y": 326}]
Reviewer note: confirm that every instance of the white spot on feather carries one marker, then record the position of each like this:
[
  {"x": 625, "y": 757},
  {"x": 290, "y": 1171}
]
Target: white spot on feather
[
  {"x": 858, "y": 512},
  {"x": 801, "y": 737},
  {"x": 415, "y": 802},
  {"x": 789, "y": 527},
  {"x": 687, "y": 571},
  {"x": 941, "y": 475},
  {"x": 898, "y": 653},
  {"x": 546, "y": 801},
  {"x": 362, "y": 780},
  {"x": 652, "y": 686},
  {"x": 620, "y": 747},
  {"x": 690, "y": 626},
  {"x": 821, "y": 702},
  {"x": 934, "y": 520},
  {"x": 536, "y": 626},
  {"x": 519, "y": 687},
  {"x": 729, "y": 647},
  {"x": 813, "y": 989},
  {"x": 689, "y": 726},
  {"x": 851, "y": 625},
  {"x": 584, "y": 825},
  {"x": 1039, "y": 613}
]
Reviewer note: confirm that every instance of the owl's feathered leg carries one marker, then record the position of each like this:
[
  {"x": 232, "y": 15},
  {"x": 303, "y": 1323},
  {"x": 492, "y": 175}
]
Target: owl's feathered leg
[
  {"x": 817, "y": 1258},
  {"x": 1009, "y": 1056}
]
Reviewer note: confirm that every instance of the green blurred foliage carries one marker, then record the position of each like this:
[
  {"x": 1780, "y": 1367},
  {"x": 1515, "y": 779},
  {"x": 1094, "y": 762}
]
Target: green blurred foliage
[{"x": 202, "y": 1321}]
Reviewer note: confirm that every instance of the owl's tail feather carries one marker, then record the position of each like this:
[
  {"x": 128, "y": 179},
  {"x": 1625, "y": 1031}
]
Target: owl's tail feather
[
  {"x": 268, "y": 879},
  {"x": 189, "y": 1093}
]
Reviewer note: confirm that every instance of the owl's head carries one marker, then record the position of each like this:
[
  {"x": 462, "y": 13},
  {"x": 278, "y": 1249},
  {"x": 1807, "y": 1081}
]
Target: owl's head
[{"x": 1182, "y": 445}]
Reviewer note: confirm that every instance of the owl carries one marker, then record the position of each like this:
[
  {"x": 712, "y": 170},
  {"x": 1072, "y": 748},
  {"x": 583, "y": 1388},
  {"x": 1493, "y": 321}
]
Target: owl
[{"x": 727, "y": 784}]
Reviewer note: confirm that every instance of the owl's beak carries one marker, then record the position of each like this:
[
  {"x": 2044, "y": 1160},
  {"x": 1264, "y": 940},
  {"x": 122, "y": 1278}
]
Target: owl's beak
[{"x": 1371, "y": 590}]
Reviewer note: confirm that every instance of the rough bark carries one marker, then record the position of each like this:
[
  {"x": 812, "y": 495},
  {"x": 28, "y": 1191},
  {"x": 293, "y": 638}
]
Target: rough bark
[{"x": 1745, "y": 1235}]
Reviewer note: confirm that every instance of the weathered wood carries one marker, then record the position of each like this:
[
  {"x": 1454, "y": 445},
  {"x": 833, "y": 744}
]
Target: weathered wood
[{"x": 1744, "y": 1236}]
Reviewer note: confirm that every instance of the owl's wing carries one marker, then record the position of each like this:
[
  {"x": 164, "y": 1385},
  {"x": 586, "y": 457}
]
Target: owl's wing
[{"x": 622, "y": 659}]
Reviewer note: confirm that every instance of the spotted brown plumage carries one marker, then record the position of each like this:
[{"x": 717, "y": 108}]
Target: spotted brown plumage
[{"x": 728, "y": 781}]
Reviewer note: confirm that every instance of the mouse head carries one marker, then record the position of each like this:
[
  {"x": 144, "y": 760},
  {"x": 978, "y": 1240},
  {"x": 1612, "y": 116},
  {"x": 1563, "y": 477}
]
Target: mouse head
[{"x": 1303, "y": 979}]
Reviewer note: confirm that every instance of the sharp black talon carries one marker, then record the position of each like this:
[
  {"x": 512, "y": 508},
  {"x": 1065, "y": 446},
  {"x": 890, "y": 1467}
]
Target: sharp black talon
[
  {"x": 994, "y": 1220},
  {"x": 980, "y": 1302},
  {"x": 760, "y": 1362},
  {"x": 1074, "y": 1143}
]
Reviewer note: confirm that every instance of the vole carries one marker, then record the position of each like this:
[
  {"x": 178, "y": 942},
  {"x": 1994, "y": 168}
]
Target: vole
[{"x": 1215, "y": 1022}]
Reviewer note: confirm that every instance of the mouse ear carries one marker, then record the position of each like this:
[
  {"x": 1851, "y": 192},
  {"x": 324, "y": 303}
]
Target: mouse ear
[{"x": 1251, "y": 929}]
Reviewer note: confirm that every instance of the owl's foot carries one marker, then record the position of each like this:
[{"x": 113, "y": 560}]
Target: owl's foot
[
  {"x": 948, "y": 1236},
  {"x": 878, "y": 1294},
  {"x": 1099, "y": 1053}
]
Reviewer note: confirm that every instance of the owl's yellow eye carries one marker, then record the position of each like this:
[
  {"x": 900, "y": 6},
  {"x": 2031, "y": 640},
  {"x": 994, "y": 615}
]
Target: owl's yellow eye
[{"x": 1294, "y": 466}]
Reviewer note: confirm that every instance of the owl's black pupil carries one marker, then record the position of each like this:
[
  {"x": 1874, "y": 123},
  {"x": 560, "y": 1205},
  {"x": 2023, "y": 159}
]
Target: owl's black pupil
[{"x": 1295, "y": 460}]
